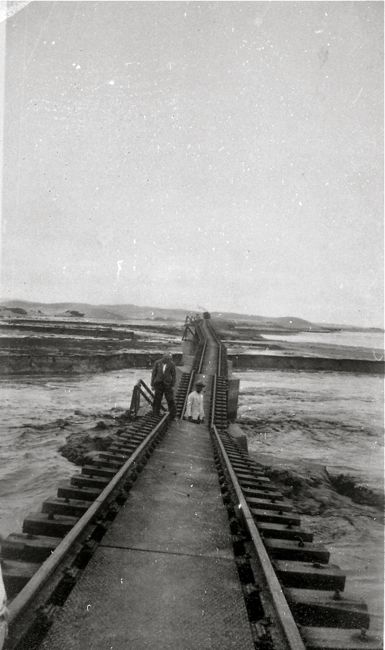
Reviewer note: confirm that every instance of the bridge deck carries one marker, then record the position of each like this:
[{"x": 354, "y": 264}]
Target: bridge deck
[{"x": 164, "y": 575}]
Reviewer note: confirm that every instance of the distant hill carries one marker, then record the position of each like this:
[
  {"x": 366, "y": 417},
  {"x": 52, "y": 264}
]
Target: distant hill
[
  {"x": 284, "y": 322},
  {"x": 97, "y": 312},
  {"x": 129, "y": 312},
  {"x": 40, "y": 309}
]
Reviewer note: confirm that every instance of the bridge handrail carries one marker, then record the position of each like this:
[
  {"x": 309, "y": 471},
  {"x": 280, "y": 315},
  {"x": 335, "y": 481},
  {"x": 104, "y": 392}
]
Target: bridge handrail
[{"x": 141, "y": 389}]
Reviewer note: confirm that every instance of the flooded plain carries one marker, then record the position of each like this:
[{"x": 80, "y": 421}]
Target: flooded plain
[{"x": 306, "y": 427}]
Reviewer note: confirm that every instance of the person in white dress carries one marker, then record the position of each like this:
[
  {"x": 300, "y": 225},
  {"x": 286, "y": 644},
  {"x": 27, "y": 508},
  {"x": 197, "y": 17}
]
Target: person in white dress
[{"x": 195, "y": 411}]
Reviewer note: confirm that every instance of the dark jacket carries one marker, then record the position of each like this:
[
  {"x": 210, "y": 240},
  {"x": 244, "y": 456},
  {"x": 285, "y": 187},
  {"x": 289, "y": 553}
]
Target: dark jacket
[{"x": 167, "y": 377}]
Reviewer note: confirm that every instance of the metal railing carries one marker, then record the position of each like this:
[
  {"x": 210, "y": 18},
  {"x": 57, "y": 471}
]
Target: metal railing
[{"x": 141, "y": 390}]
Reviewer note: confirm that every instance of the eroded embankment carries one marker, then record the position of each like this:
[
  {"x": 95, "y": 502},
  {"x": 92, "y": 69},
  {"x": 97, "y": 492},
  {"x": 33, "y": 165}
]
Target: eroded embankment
[
  {"x": 46, "y": 362},
  {"x": 80, "y": 447},
  {"x": 277, "y": 362},
  {"x": 52, "y": 364},
  {"x": 315, "y": 491}
]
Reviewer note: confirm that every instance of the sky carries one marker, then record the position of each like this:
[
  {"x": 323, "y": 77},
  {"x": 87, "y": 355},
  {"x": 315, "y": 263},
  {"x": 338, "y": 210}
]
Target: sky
[{"x": 225, "y": 155}]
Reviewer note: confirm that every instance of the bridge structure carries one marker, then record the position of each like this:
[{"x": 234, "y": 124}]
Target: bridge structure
[{"x": 174, "y": 538}]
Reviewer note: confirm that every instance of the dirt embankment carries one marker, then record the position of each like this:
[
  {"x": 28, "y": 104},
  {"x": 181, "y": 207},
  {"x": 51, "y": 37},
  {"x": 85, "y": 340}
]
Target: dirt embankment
[
  {"x": 51, "y": 362},
  {"x": 316, "y": 492},
  {"x": 81, "y": 446},
  {"x": 277, "y": 362}
]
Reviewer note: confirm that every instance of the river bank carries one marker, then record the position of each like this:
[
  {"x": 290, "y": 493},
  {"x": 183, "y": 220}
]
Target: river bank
[{"x": 44, "y": 347}]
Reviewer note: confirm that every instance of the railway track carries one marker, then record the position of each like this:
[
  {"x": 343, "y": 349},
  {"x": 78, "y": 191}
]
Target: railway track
[{"x": 293, "y": 596}]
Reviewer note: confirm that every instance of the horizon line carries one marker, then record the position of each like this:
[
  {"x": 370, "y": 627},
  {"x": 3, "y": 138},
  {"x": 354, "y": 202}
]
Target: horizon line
[{"x": 186, "y": 309}]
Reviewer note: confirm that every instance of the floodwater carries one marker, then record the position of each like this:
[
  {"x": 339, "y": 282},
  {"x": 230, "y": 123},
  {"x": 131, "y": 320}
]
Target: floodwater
[
  {"x": 304, "y": 422},
  {"x": 37, "y": 415},
  {"x": 332, "y": 418},
  {"x": 316, "y": 418},
  {"x": 373, "y": 340}
]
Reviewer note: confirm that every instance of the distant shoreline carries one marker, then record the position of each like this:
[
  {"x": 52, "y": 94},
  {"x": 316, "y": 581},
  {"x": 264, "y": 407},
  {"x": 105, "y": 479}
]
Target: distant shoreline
[{"x": 30, "y": 346}]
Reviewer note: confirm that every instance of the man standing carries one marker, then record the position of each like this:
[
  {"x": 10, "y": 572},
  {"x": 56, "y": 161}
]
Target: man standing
[
  {"x": 194, "y": 410},
  {"x": 163, "y": 382}
]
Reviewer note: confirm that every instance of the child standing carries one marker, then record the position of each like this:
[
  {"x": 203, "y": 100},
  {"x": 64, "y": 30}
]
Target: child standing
[{"x": 194, "y": 410}]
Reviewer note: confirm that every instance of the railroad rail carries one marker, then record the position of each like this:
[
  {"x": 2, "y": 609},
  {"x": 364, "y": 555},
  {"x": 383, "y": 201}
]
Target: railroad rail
[{"x": 293, "y": 596}]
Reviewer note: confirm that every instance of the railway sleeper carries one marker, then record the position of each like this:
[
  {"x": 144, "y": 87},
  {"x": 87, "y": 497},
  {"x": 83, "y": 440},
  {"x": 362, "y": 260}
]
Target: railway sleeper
[
  {"x": 229, "y": 444},
  {"x": 28, "y": 548},
  {"x": 121, "y": 442},
  {"x": 327, "y": 609},
  {"x": 241, "y": 472},
  {"x": 133, "y": 431},
  {"x": 234, "y": 457},
  {"x": 89, "y": 481},
  {"x": 137, "y": 437},
  {"x": 106, "y": 460},
  {"x": 282, "y": 531},
  {"x": 70, "y": 507},
  {"x": 68, "y": 491},
  {"x": 119, "y": 459},
  {"x": 286, "y": 549},
  {"x": 241, "y": 467},
  {"x": 94, "y": 470},
  {"x": 272, "y": 516},
  {"x": 262, "y": 494},
  {"x": 130, "y": 439},
  {"x": 16, "y": 574},
  {"x": 237, "y": 454},
  {"x": 268, "y": 490},
  {"x": 325, "y": 638},
  {"x": 251, "y": 482},
  {"x": 271, "y": 504},
  {"x": 247, "y": 476},
  {"x": 306, "y": 575},
  {"x": 39, "y": 523},
  {"x": 124, "y": 446}
]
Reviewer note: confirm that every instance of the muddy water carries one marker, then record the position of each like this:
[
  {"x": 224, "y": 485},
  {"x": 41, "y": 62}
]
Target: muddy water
[
  {"x": 309, "y": 427},
  {"x": 297, "y": 422},
  {"x": 37, "y": 416}
]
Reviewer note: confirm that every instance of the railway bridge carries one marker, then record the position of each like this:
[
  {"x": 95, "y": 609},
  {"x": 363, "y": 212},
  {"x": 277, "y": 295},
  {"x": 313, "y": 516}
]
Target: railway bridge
[{"x": 176, "y": 539}]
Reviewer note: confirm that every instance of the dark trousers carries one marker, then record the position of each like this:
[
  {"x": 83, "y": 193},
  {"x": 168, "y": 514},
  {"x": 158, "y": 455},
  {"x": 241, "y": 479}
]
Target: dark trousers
[{"x": 161, "y": 389}]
